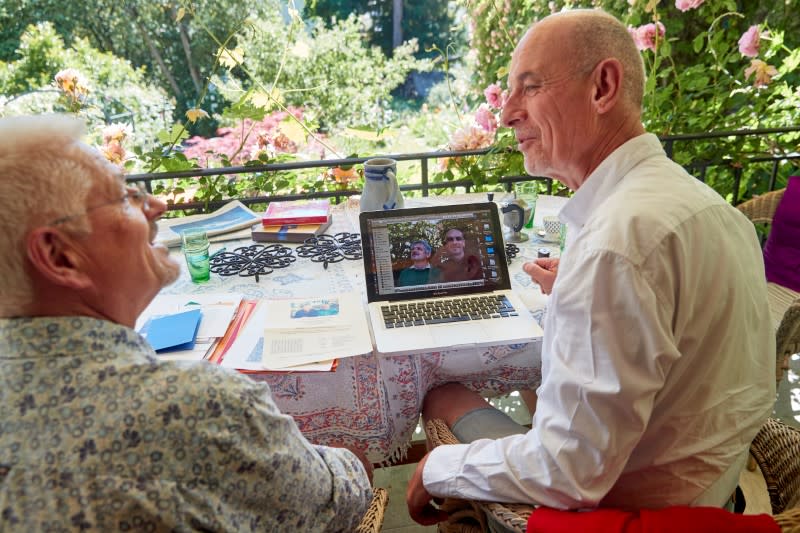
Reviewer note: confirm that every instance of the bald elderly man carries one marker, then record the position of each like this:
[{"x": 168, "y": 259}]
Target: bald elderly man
[{"x": 656, "y": 372}]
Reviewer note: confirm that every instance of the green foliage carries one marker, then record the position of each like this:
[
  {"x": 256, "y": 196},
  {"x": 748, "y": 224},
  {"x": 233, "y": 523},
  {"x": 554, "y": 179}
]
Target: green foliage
[
  {"x": 116, "y": 88},
  {"x": 328, "y": 70},
  {"x": 696, "y": 74},
  {"x": 176, "y": 54},
  {"x": 401, "y": 235},
  {"x": 427, "y": 21},
  {"x": 40, "y": 54}
]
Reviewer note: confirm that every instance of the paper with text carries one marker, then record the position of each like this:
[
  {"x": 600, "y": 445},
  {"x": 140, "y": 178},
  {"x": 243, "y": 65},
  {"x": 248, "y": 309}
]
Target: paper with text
[{"x": 306, "y": 330}]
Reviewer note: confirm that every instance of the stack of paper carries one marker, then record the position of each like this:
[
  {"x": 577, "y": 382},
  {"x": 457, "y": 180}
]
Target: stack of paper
[
  {"x": 285, "y": 335},
  {"x": 187, "y": 327},
  {"x": 301, "y": 334}
]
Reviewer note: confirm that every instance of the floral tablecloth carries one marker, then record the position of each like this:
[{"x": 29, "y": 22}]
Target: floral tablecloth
[{"x": 374, "y": 401}]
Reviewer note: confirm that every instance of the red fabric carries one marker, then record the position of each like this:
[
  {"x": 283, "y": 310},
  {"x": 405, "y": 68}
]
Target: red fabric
[{"x": 678, "y": 519}]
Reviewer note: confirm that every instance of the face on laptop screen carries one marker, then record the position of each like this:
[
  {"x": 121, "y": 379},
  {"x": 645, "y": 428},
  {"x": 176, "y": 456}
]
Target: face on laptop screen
[{"x": 433, "y": 251}]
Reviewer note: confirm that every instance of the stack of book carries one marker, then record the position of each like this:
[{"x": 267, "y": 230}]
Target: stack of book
[{"x": 293, "y": 221}]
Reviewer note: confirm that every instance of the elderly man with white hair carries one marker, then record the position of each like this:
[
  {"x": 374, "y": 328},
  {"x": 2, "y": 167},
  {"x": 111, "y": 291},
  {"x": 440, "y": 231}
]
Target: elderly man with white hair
[{"x": 96, "y": 432}]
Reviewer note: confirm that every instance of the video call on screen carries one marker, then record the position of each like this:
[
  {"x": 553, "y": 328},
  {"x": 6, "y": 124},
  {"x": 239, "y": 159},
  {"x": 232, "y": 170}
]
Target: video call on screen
[{"x": 479, "y": 267}]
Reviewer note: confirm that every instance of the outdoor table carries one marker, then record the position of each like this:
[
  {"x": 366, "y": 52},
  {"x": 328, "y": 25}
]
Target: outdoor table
[{"x": 374, "y": 401}]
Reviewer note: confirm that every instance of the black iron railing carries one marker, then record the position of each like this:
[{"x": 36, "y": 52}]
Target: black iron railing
[{"x": 725, "y": 166}]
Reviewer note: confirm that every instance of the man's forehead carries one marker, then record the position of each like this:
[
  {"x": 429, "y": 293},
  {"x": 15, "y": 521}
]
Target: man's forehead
[{"x": 538, "y": 51}]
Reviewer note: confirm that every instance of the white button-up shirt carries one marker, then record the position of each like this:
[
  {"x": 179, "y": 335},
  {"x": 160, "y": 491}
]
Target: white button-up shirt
[{"x": 658, "y": 359}]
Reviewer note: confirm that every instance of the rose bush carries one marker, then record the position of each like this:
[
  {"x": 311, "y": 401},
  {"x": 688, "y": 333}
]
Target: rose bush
[{"x": 712, "y": 65}]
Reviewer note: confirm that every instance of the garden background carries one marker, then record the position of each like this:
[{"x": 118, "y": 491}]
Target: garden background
[{"x": 173, "y": 85}]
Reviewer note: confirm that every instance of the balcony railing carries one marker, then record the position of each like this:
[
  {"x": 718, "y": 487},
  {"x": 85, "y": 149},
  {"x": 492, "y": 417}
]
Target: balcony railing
[{"x": 698, "y": 153}]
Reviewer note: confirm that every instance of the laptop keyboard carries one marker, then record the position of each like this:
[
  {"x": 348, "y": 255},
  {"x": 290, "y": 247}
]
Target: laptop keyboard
[{"x": 442, "y": 311}]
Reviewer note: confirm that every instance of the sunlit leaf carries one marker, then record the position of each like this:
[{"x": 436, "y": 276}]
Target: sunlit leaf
[
  {"x": 267, "y": 101},
  {"x": 173, "y": 136},
  {"x": 181, "y": 14},
  {"x": 231, "y": 58},
  {"x": 196, "y": 113},
  {"x": 698, "y": 42},
  {"x": 293, "y": 130}
]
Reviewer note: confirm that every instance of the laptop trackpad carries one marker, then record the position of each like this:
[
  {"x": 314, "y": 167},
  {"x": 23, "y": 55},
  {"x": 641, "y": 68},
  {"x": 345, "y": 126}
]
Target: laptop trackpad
[{"x": 451, "y": 335}]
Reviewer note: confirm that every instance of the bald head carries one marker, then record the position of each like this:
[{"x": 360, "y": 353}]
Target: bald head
[
  {"x": 587, "y": 36},
  {"x": 575, "y": 94}
]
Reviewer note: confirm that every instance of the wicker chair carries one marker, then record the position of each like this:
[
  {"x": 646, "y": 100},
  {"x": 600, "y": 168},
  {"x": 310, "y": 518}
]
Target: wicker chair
[
  {"x": 784, "y": 303},
  {"x": 373, "y": 519},
  {"x": 468, "y": 516},
  {"x": 776, "y": 449}
]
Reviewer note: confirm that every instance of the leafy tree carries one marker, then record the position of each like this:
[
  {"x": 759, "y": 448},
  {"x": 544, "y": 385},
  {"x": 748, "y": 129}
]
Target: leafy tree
[
  {"x": 427, "y": 21},
  {"x": 116, "y": 87},
  {"x": 177, "y": 52},
  {"x": 329, "y": 71}
]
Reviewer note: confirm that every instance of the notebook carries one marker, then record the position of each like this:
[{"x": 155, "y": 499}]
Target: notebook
[{"x": 460, "y": 297}]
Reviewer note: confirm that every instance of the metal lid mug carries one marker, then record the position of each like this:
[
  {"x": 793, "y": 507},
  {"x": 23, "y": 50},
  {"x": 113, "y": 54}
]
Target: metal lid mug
[{"x": 381, "y": 190}]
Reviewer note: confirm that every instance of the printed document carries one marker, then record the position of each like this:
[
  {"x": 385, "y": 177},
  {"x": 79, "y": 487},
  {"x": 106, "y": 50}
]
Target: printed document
[{"x": 306, "y": 330}]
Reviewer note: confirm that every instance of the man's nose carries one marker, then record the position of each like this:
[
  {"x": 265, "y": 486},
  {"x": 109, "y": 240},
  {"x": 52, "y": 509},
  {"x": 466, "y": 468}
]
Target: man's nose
[{"x": 512, "y": 112}]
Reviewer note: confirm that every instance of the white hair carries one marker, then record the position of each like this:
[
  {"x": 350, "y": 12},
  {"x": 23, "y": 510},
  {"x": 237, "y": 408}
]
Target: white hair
[{"x": 45, "y": 173}]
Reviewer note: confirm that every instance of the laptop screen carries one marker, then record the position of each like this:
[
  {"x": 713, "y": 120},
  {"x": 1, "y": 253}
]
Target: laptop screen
[{"x": 433, "y": 251}]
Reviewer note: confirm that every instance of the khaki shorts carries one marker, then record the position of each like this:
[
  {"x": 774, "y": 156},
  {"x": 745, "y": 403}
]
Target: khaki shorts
[{"x": 485, "y": 423}]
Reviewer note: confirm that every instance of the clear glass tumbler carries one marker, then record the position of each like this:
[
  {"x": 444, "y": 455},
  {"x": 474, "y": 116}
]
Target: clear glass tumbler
[
  {"x": 527, "y": 191},
  {"x": 195, "y": 249}
]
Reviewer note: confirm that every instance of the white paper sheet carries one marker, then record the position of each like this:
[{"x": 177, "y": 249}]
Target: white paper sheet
[{"x": 305, "y": 330}]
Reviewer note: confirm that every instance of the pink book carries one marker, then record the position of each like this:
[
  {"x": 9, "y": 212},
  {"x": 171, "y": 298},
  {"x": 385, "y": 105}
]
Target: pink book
[{"x": 297, "y": 212}]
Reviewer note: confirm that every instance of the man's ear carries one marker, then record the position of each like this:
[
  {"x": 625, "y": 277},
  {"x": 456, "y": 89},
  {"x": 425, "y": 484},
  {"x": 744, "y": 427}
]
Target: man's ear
[
  {"x": 607, "y": 88},
  {"x": 54, "y": 257}
]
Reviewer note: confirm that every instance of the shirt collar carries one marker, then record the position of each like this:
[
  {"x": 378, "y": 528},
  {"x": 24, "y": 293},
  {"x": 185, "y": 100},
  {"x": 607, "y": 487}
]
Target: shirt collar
[
  {"x": 606, "y": 176},
  {"x": 30, "y": 337}
]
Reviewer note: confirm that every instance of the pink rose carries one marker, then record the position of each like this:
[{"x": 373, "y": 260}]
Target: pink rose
[
  {"x": 471, "y": 138},
  {"x": 493, "y": 95},
  {"x": 749, "y": 42},
  {"x": 686, "y": 5},
  {"x": 485, "y": 118},
  {"x": 115, "y": 132},
  {"x": 645, "y": 36},
  {"x": 114, "y": 152}
]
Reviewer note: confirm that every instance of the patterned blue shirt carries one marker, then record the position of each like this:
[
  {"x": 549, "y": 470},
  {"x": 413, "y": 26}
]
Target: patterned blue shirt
[{"x": 97, "y": 434}]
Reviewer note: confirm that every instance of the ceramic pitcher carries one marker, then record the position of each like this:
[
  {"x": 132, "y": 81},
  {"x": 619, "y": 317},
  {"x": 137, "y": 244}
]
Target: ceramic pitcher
[{"x": 381, "y": 190}]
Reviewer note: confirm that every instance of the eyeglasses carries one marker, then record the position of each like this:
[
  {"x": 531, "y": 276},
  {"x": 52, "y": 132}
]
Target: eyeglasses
[
  {"x": 136, "y": 197},
  {"x": 454, "y": 238}
]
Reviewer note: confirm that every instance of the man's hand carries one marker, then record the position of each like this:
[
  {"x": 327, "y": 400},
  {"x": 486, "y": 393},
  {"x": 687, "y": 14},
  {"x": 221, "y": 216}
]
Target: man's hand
[
  {"x": 418, "y": 500},
  {"x": 543, "y": 271}
]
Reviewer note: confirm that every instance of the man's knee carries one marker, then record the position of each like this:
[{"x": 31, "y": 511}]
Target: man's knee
[{"x": 450, "y": 401}]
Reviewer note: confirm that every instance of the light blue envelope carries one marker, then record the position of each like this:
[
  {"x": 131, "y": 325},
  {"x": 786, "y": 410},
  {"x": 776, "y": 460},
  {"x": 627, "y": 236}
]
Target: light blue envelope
[{"x": 173, "y": 332}]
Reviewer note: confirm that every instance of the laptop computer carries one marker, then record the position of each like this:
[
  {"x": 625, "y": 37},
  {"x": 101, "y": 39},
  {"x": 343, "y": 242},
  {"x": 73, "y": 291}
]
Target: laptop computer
[{"x": 461, "y": 296}]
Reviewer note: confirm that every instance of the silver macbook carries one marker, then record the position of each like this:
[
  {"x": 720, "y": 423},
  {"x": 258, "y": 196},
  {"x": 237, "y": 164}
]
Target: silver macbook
[{"x": 437, "y": 278}]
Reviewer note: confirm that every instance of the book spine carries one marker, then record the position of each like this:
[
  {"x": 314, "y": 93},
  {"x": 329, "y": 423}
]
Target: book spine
[
  {"x": 280, "y": 237},
  {"x": 314, "y": 219}
]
